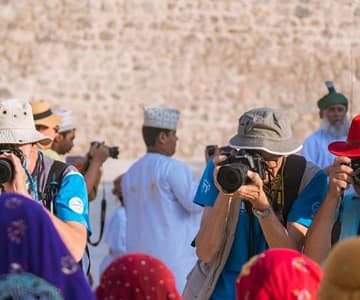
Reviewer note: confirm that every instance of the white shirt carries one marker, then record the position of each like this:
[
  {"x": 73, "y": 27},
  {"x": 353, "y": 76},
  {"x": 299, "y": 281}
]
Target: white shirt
[
  {"x": 315, "y": 148},
  {"x": 114, "y": 236},
  {"x": 162, "y": 219}
]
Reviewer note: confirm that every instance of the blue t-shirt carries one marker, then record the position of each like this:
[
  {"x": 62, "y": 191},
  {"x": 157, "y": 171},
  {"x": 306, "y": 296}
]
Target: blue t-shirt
[
  {"x": 350, "y": 217},
  {"x": 302, "y": 211},
  {"x": 71, "y": 202}
]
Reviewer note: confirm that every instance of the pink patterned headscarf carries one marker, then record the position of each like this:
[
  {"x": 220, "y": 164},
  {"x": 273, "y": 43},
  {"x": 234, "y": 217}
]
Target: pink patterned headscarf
[
  {"x": 137, "y": 276},
  {"x": 279, "y": 274}
]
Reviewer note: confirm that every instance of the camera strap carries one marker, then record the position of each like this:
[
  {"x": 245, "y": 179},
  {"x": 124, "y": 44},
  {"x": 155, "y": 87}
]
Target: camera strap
[
  {"x": 53, "y": 183},
  {"x": 102, "y": 220}
]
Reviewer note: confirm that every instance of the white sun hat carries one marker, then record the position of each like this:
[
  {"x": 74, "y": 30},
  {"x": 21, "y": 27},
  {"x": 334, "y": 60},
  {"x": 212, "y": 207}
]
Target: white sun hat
[{"x": 17, "y": 123}]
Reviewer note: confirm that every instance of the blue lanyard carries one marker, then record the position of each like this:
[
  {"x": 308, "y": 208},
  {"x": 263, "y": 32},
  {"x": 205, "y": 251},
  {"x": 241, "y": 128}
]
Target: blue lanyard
[{"x": 32, "y": 183}]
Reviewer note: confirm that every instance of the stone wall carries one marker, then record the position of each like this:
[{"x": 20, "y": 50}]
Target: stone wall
[{"x": 211, "y": 59}]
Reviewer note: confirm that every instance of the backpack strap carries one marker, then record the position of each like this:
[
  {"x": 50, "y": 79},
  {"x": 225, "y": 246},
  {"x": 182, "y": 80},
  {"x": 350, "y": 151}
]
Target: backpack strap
[
  {"x": 53, "y": 183},
  {"x": 293, "y": 172}
]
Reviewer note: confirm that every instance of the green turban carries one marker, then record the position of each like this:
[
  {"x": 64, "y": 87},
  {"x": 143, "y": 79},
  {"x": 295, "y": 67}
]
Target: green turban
[{"x": 331, "y": 99}]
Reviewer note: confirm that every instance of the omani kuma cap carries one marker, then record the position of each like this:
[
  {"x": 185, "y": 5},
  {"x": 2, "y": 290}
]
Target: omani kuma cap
[
  {"x": 17, "y": 123},
  {"x": 67, "y": 121},
  {"x": 161, "y": 117},
  {"x": 265, "y": 129}
]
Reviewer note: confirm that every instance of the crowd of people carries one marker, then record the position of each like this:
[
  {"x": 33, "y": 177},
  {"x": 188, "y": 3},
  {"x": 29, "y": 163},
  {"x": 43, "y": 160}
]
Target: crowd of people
[{"x": 270, "y": 217}]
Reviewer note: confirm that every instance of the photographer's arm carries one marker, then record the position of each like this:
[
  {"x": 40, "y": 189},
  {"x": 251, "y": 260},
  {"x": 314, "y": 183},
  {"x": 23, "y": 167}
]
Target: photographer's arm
[
  {"x": 73, "y": 234},
  {"x": 276, "y": 235},
  {"x": 97, "y": 155},
  {"x": 318, "y": 238},
  {"x": 211, "y": 233}
]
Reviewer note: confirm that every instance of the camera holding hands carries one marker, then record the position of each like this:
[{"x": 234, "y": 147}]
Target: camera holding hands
[
  {"x": 233, "y": 171},
  {"x": 7, "y": 170}
]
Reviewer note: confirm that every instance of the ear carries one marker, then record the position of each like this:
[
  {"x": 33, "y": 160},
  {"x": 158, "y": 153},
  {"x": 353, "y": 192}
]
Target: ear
[
  {"x": 162, "y": 137},
  {"x": 58, "y": 137}
]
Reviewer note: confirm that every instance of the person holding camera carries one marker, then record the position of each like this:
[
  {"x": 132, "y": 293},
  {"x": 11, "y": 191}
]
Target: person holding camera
[
  {"x": 59, "y": 187},
  {"x": 91, "y": 164},
  {"x": 339, "y": 216},
  {"x": 158, "y": 193},
  {"x": 263, "y": 196}
]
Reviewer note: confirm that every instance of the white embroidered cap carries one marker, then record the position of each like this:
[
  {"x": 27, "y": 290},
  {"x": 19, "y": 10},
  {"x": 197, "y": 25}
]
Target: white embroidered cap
[
  {"x": 161, "y": 117},
  {"x": 67, "y": 121}
]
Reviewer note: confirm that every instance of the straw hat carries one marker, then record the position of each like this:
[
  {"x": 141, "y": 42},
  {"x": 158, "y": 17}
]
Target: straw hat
[{"x": 43, "y": 114}]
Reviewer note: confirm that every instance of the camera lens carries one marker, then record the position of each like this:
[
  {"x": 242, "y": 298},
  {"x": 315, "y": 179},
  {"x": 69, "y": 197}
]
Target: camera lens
[
  {"x": 231, "y": 177},
  {"x": 6, "y": 170}
]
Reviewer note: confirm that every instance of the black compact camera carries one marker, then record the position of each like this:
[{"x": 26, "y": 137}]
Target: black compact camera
[
  {"x": 232, "y": 173},
  {"x": 355, "y": 165},
  {"x": 113, "y": 151},
  {"x": 6, "y": 166}
]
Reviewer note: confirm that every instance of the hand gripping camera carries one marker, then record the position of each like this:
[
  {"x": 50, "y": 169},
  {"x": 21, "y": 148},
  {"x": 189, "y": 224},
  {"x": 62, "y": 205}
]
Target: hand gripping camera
[
  {"x": 232, "y": 173},
  {"x": 113, "y": 151},
  {"x": 6, "y": 166}
]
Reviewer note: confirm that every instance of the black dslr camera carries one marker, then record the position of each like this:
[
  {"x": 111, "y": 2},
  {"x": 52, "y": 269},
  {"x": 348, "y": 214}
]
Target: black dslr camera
[
  {"x": 6, "y": 166},
  {"x": 232, "y": 173},
  {"x": 355, "y": 165},
  {"x": 113, "y": 151}
]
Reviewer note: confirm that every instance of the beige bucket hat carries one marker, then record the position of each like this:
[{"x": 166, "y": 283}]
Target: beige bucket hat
[
  {"x": 43, "y": 114},
  {"x": 265, "y": 129},
  {"x": 17, "y": 124}
]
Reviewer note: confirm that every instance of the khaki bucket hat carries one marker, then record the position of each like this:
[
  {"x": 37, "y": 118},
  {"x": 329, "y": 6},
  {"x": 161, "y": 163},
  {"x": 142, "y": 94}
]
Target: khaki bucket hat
[
  {"x": 265, "y": 129},
  {"x": 17, "y": 123},
  {"x": 43, "y": 114}
]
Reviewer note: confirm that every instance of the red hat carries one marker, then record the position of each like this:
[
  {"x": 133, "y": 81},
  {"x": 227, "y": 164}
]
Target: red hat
[{"x": 350, "y": 148}]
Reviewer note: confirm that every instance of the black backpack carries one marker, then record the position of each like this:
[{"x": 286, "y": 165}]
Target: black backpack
[{"x": 52, "y": 186}]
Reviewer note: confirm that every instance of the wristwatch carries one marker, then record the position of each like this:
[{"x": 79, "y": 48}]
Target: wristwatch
[{"x": 262, "y": 214}]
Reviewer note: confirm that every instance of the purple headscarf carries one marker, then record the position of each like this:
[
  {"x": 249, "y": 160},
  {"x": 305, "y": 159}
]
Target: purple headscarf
[{"x": 30, "y": 243}]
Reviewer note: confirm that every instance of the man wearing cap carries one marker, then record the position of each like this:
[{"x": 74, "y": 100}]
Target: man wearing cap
[
  {"x": 30, "y": 169},
  {"x": 339, "y": 216},
  {"x": 270, "y": 210},
  {"x": 158, "y": 191},
  {"x": 98, "y": 152},
  {"x": 47, "y": 123},
  {"x": 334, "y": 125}
]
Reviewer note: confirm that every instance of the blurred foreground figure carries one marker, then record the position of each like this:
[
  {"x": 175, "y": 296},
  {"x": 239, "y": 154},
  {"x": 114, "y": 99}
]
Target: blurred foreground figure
[
  {"x": 137, "y": 276},
  {"x": 282, "y": 274},
  {"x": 31, "y": 244}
]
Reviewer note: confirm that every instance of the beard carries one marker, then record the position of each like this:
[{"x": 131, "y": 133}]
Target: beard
[{"x": 335, "y": 131}]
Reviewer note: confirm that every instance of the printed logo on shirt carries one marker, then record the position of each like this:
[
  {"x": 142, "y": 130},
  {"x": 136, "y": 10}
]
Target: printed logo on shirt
[
  {"x": 76, "y": 205},
  {"x": 205, "y": 186},
  {"x": 315, "y": 207}
]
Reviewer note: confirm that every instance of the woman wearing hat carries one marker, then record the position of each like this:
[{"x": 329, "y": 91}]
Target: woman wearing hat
[{"x": 339, "y": 216}]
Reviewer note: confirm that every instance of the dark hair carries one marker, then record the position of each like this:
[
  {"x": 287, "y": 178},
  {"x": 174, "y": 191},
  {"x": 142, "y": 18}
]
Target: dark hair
[{"x": 150, "y": 134}]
